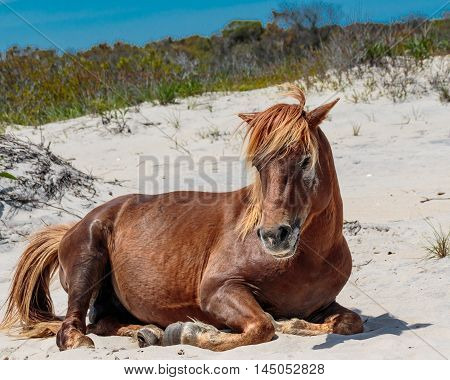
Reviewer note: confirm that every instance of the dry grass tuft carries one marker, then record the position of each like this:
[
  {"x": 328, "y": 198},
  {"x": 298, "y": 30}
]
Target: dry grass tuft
[
  {"x": 438, "y": 244},
  {"x": 356, "y": 129}
]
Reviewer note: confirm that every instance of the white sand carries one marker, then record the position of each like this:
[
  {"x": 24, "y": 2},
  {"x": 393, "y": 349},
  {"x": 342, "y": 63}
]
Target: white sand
[{"x": 401, "y": 156}]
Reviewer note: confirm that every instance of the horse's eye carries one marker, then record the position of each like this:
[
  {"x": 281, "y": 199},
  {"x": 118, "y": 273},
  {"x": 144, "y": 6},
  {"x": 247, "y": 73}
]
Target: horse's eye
[{"x": 305, "y": 162}]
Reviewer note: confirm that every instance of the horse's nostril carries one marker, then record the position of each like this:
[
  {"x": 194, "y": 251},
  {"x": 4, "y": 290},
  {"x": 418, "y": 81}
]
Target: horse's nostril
[
  {"x": 275, "y": 237},
  {"x": 283, "y": 233}
]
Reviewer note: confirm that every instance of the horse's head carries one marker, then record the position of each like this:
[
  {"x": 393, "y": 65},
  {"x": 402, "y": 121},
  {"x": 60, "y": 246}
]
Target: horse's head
[{"x": 291, "y": 184}]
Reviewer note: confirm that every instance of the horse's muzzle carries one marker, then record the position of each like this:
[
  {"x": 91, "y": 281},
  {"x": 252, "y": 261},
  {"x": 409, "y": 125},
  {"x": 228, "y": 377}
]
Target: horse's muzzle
[{"x": 280, "y": 241}]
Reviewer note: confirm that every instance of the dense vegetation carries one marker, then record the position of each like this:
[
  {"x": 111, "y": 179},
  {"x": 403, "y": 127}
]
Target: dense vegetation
[{"x": 40, "y": 86}]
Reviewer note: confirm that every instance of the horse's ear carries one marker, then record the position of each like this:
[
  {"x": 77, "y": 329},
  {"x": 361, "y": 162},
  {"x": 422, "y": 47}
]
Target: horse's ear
[
  {"x": 248, "y": 117},
  {"x": 317, "y": 115}
]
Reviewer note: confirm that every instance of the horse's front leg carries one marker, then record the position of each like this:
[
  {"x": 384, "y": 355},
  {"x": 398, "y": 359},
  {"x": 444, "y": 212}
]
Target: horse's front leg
[
  {"x": 342, "y": 321},
  {"x": 296, "y": 326},
  {"x": 335, "y": 319},
  {"x": 235, "y": 307}
]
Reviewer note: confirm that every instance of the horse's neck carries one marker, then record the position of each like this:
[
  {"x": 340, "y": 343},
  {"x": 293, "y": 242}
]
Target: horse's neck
[{"x": 324, "y": 230}]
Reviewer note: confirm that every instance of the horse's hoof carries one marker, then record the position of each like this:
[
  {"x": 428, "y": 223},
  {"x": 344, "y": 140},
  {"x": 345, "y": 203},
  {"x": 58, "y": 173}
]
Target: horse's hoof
[
  {"x": 84, "y": 341},
  {"x": 182, "y": 333},
  {"x": 190, "y": 332},
  {"x": 147, "y": 337},
  {"x": 172, "y": 334}
]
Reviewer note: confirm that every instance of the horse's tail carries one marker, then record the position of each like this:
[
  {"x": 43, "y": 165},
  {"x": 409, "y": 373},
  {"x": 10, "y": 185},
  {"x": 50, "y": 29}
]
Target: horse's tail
[{"x": 29, "y": 304}]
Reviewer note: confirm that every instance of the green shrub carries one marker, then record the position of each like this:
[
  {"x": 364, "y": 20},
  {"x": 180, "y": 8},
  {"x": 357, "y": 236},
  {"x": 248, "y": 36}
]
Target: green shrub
[
  {"x": 189, "y": 87},
  {"x": 377, "y": 50},
  {"x": 166, "y": 93},
  {"x": 419, "y": 48},
  {"x": 41, "y": 86},
  {"x": 243, "y": 31}
]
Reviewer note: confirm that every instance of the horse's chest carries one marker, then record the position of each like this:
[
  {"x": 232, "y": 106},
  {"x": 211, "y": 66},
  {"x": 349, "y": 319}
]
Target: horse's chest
[{"x": 302, "y": 292}]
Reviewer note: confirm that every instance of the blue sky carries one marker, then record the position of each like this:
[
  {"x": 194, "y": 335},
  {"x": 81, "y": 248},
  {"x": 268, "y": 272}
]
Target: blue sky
[{"x": 79, "y": 24}]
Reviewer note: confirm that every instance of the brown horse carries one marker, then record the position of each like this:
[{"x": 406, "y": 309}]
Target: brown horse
[{"x": 268, "y": 257}]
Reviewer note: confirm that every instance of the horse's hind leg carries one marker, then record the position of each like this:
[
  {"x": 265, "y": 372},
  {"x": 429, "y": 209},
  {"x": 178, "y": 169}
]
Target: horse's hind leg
[
  {"x": 107, "y": 317},
  {"x": 83, "y": 258},
  {"x": 148, "y": 335}
]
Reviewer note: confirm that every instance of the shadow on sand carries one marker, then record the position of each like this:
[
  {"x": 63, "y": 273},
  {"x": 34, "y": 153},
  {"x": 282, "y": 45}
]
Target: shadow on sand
[{"x": 384, "y": 324}]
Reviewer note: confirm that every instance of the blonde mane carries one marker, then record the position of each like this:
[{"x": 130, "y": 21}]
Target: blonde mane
[{"x": 272, "y": 133}]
